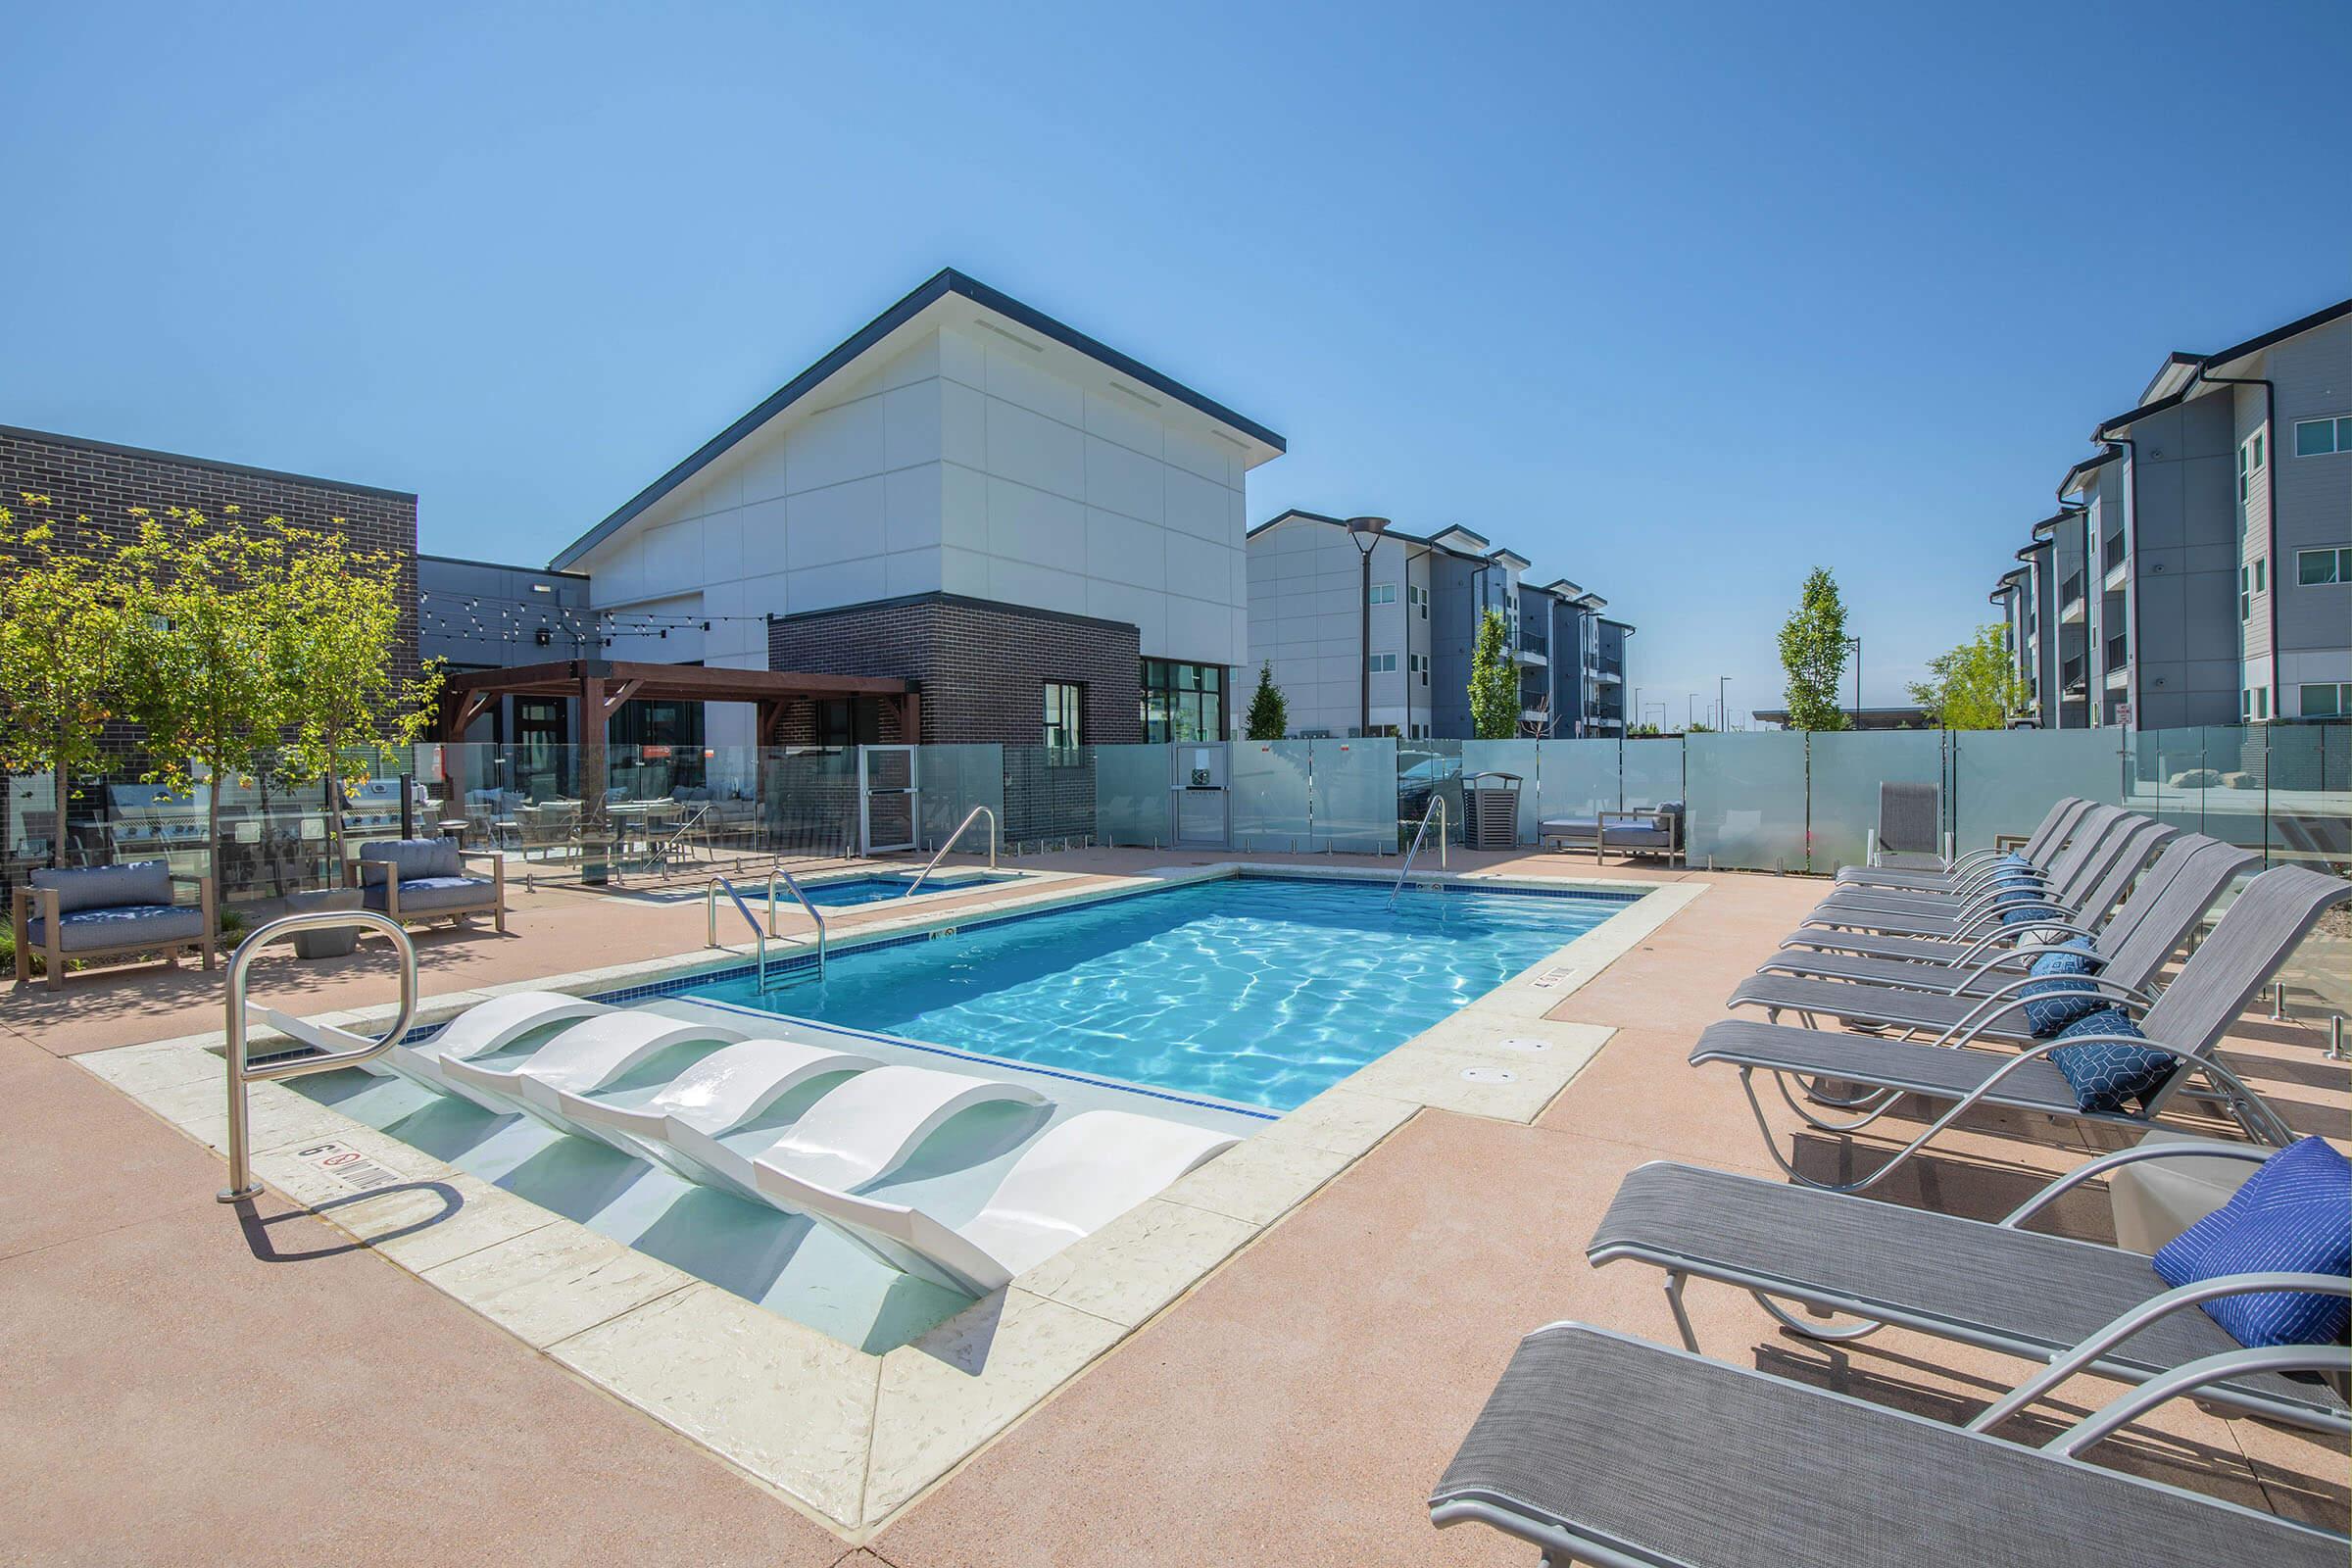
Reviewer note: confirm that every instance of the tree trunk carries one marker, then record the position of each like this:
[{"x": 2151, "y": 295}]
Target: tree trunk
[
  {"x": 334, "y": 822},
  {"x": 57, "y": 796}
]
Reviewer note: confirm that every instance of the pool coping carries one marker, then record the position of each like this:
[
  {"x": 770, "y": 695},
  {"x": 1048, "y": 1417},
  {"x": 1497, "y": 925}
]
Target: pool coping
[{"x": 847, "y": 1437}]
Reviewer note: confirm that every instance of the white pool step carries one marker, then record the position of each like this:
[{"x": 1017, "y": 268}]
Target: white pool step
[
  {"x": 479, "y": 1030},
  {"x": 589, "y": 1055},
  {"x": 730, "y": 1088}
]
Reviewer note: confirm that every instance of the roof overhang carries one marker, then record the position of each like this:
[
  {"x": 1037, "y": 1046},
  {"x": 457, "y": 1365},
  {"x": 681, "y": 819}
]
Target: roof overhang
[
  {"x": 1512, "y": 559},
  {"x": 2073, "y": 482},
  {"x": 1459, "y": 538},
  {"x": 951, "y": 298}
]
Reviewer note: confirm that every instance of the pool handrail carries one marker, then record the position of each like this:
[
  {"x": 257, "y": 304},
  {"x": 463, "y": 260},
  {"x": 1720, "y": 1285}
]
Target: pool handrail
[
  {"x": 710, "y": 918},
  {"x": 823, "y": 936},
  {"x": 241, "y": 1185},
  {"x": 1437, "y": 806},
  {"x": 969, "y": 817}
]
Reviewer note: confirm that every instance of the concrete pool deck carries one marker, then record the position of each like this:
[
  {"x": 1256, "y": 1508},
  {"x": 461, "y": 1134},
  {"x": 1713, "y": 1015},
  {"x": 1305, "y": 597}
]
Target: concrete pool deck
[{"x": 174, "y": 1378}]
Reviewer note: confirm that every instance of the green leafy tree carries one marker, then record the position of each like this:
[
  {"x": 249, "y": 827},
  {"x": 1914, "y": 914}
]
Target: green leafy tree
[
  {"x": 1269, "y": 710},
  {"x": 1974, "y": 686},
  {"x": 335, "y": 634},
  {"x": 63, "y": 646},
  {"x": 1494, "y": 682},
  {"x": 203, "y": 676},
  {"x": 1813, "y": 652}
]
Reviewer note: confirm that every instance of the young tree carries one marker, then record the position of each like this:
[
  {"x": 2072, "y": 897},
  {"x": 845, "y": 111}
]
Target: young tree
[
  {"x": 1974, "y": 686},
  {"x": 1269, "y": 710},
  {"x": 337, "y": 627},
  {"x": 203, "y": 679},
  {"x": 61, "y": 647},
  {"x": 1813, "y": 652},
  {"x": 1493, "y": 681}
]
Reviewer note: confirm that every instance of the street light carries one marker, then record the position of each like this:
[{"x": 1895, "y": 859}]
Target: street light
[
  {"x": 1855, "y": 643},
  {"x": 1367, "y": 532},
  {"x": 1723, "y": 710}
]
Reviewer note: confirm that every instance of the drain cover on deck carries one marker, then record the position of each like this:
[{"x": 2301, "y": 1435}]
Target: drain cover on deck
[
  {"x": 1490, "y": 1075},
  {"x": 1522, "y": 1043}
]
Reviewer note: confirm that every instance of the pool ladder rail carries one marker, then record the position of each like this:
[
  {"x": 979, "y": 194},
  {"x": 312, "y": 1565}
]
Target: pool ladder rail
[
  {"x": 1436, "y": 807},
  {"x": 759, "y": 935},
  {"x": 969, "y": 817}
]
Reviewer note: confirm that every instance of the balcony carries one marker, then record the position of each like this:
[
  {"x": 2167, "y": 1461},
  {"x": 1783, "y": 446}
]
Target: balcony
[
  {"x": 1609, "y": 673},
  {"x": 1534, "y": 653},
  {"x": 2069, "y": 601},
  {"x": 2119, "y": 567},
  {"x": 2119, "y": 651}
]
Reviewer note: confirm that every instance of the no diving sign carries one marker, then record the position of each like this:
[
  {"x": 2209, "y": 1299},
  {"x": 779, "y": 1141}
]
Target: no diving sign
[{"x": 349, "y": 1166}]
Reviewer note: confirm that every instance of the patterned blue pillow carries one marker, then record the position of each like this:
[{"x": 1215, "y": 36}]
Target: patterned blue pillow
[
  {"x": 2293, "y": 1216},
  {"x": 2027, "y": 913},
  {"x": 2045, "y": 1018},
  {"x": 2104, "y": 1076}
]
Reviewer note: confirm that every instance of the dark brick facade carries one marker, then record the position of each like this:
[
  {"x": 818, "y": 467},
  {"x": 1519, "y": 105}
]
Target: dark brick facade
[
  {"x": 101, "y": 483},
  {"x": 981, "y": 667}
]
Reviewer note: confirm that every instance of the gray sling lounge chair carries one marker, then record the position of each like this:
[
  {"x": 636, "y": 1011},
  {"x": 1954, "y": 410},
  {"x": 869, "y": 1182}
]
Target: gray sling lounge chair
[
  {"x": 1596, "y": 1447},
  {"x": 2274, "y": 913},
  {"x": 1909, "y": 836},
  {"x": 2128, "y": 840},
  {"x": 2080, "y": 858},
  {"x": 2043, "y": 1297},
  {"x": 2038, "y": 848},
  {"x": 2134, "y": 947},
  {"x": 2165, "y": 892}
]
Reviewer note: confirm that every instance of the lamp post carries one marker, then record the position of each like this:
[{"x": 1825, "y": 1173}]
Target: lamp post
[
  {"x": 1723, "y": 708},
  {"x": 1855, "y": 643},
  {"x": 1365, "y": 533}
]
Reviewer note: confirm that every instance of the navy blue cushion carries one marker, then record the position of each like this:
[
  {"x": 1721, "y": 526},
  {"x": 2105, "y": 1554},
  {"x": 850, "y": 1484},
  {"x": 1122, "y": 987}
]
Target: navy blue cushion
[
  {"x": 2103, "y": 1076},
  {"x": 2293, "y": 1216},
  {"x": 2027, "y": 913},
  {"x": 120, "y": 926},
  {"x": 2048, "y": 1017},
  {"x": 427, "y": 894}
]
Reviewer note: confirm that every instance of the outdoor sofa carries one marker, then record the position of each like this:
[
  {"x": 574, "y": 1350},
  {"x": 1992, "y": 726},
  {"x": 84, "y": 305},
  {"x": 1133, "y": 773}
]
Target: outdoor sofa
[
  {"x": 107, "y": 911},
  {"x": 425, "y": 879},
  {"x": 1651, "y": 830}
]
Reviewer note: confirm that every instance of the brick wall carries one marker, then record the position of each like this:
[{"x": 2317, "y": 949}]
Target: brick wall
[{"x": 981, "y": 667}]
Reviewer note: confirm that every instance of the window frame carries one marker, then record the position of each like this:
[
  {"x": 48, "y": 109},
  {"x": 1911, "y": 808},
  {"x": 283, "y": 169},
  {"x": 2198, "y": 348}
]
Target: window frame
[
  {"x": 1374, "y": 666},
  {"x": 1068, "y": 752},
  {"x": 1381, "y": 593},
  {"x": 2338, "y": 555},
  {"x": 2340, "y": 436},
  {"x": 2339, "y": 692}
]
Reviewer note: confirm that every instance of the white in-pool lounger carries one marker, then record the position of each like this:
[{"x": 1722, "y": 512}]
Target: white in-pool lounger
[
  {"x": 857, "y": 1133},
  {"x": 589, "y": 1055},
  {"x": 479, "y": 1030},
  {"x": 730, "y": 1088},
  {"x": 1076, "y": 1179}
]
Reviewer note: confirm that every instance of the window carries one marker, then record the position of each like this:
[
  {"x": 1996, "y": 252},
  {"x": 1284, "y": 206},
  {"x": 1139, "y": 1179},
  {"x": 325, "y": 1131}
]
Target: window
[
  {"x": 2246, "y": 592},
  {"x": 1418, "y": 664},
  {"x": 1066, "y": 718},
  {"x": 2315, "y": 567},
  {"x": 848, "y": 721},
  {"x": 2261, "y": 576},
  {"x": 2262, "y": 702},
  {"x": 1382, "y": 664},
  {"x": 1382, "y": 593},
  {"x": 1183, "y": 701},
  {"x": 2317, "y": 438},
  {"x": 1418, "y": 599},
  {"x": 2327, "y": 700},
  {"x": 2249, "y": 464}
]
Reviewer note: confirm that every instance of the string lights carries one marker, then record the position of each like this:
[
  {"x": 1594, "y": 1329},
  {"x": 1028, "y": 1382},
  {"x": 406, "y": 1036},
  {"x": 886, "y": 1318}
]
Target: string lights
[{"x": 494, "y": 617}]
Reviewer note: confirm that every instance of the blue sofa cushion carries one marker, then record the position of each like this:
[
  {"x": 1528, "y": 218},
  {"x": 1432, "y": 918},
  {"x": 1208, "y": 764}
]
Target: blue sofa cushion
[
  {"x": 2103, "y": 1076},
  {"x": 2045, "y": 1017},
  {"x": 106, "y": 887},
  {"x": 2293, "y": 1216},
  {"x": 120, "y": 926},
  {"x": 415, "y": 859},
  {"x": 427, "y": 894}
]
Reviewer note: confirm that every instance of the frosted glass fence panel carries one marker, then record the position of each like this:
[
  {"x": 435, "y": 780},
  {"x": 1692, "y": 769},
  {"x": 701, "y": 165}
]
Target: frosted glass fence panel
[
  {"x": 953, "y": 779},
  {"x": 1746, "y": 808},
  {"x": 1577, "y": 779},
  {"x": 1269, "y": 795},
  {"x": 1847, "y": 767},
  {"x": 1351, "y": 795},
  {"x": 1048, "y": 793},
  {"x": 2165, "y": 776},
  {"x": 1522, "y": 759},
  {"x": 2006, "y": 781},
  {"x": 1131, "y": 794},
  {"x": 1651, "y": 773},
  {"x": 2308, "y": 773},
  {"x": 808, "y": 801},
  {"x": 1425, "y": 768}
]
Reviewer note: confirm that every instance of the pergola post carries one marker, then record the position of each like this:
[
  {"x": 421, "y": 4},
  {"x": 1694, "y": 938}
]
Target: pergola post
[{"x": 592, "y": 720}]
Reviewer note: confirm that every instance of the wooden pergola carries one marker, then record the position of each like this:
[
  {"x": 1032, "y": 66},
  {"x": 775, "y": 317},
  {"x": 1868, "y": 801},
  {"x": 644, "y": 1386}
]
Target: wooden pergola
[{"x": 602, "y": 685}]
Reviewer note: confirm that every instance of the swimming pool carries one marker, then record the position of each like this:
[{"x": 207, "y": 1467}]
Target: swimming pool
[
  {"x": 1261, "y": 990},
  {"x": 848, "y": 892}
]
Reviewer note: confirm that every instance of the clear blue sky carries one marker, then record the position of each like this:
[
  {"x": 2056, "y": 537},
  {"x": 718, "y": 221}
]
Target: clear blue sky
[{"x": 1677, "y": 303}]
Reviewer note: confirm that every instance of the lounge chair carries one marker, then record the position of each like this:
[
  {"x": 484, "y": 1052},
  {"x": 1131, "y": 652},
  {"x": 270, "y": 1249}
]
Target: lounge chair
[
  {"x": 2074, "y": 860},
  {"x": 1995, "y": 1285},
  {"x": 1077, "y": 1178},
  {"x": 2274, "y": 913},
  {"x": 2038, "y": 846},
  {"x": 1600, "y": 1448},
  {"x": 730, "y": 1088},
  {"x": 107, "y": 911},
  {"x": 2131, "y": 950},
  {"x": 587, "y": 1055},
  {"x": 1909, "y": 835},
  {"x": 486, "y": 1027},
  {"x": 2122, "y": 840},
  {"x": 1647, "y": 830},
  {"x": 856, "y": 1134}
]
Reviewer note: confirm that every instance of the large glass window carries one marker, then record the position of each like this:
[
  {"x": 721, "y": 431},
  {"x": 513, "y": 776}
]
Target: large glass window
[
  {"x": 2317, "y": 438},
  {"x": 2326, "y": 699},
  {"x": 2316, "y": 568},
  {"x": 1183, "y": 701},
  {"x": 1382, "y": 593},
  {"x": 1065, "y": 717}
]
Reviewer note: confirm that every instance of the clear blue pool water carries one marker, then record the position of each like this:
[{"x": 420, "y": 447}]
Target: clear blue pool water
[
  {"x": 1255, "y": 990},
  {"x": 863, "y": 890}
]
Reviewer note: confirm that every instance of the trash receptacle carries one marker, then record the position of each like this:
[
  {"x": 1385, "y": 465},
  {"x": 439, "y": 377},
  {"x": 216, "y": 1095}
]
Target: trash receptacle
[{"x": 1491, "y": 812}]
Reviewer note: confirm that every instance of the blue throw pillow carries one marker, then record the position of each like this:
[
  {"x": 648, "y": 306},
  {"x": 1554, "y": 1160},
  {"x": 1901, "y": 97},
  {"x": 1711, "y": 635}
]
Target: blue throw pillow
[
  {"x": 2027, "y": 913},
  {"x": 2104, "y": 1076},
  {"x": 2293, "y": 1216},
  {"x": 2046, "y": 1017}
]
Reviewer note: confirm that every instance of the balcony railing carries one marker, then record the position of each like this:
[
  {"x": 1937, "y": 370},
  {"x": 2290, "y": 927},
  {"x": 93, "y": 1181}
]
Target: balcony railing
[{"x": 2119, "y": 649}]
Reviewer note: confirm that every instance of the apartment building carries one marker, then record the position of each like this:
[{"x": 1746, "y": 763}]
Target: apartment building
[
  {"x": 1372, "y": 631},
  {"x": 2199, "y": 567}
]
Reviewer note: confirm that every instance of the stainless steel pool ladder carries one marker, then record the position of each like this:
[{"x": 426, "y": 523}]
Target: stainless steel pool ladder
[
  {"x": 759, "y": 935},
  {"x": 969, "y": 817},
  {"x": 241, "y": 1185},
  {"x": 1436, "y": 806}
]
